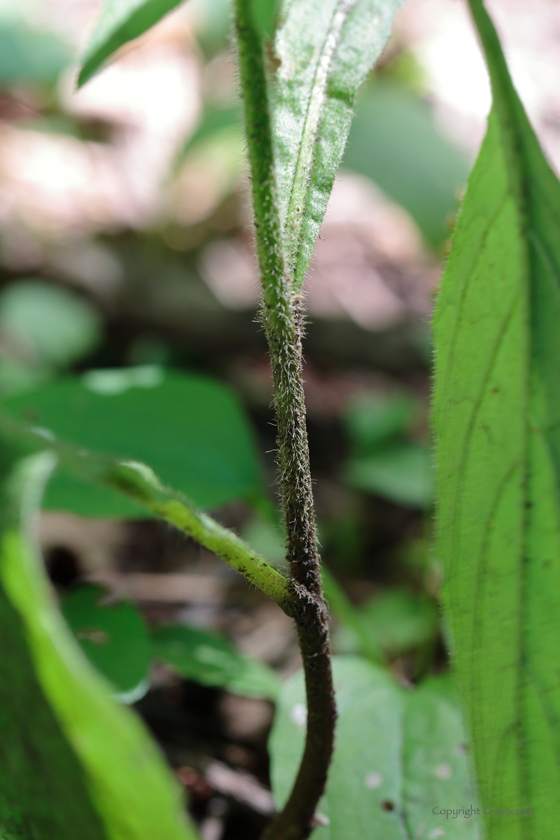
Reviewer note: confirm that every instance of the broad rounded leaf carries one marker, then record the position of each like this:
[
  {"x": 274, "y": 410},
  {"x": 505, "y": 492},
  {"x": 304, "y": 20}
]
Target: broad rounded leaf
[
  {"x": 113, "y": 636},
  {"x": 400, "y": 757},
  {"x": 53, "y": 326},
  {"x": 190, "y": 430}
]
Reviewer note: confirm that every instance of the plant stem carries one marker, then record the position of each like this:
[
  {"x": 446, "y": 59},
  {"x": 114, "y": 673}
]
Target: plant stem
[
  {"x": 283, "y": 322},
  {"x": 139, "y": 483}
]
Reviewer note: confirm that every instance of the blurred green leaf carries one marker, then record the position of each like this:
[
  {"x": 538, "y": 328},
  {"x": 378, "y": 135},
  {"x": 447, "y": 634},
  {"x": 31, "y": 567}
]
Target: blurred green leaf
[
  {"x": 360, "y": 638},
  {"x": 48, "y": 325},
  {"x": 395, "y": 141},
  {"x": 214, "y": 24},
  {"x": 266, "y": 538},
  {"x": 399, "y": 755},
  {"x": 30, "y": 55},
  {"x": 212, "y": 660},
  {"x": 372, "y": 419},
  {"x": 215, "y": 123},
  {"x": 324, "y": 50},
  {"x": 74, "y": 762},
  {"x": 395, "y": 621},
  {"x": 16, "y": 377},
  {"x": 113, "y": 636},
  {"x": 120, "y": 21},
  {"x": 190, "y": 430},
  {"x": 401, "y": 472}
]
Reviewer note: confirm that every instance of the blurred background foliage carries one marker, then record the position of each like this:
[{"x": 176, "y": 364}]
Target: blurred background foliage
[{"x": 128, "y": 322}]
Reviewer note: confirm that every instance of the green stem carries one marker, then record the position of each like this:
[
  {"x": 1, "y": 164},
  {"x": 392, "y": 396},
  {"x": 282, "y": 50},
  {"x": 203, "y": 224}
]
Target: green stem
[
  {"x": 139, "y": 483},
  {"x": 283, "y": 322}
]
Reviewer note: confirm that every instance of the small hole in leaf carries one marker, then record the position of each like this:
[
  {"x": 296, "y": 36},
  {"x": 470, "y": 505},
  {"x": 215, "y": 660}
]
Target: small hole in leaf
[{"x": 387, "y": 805}]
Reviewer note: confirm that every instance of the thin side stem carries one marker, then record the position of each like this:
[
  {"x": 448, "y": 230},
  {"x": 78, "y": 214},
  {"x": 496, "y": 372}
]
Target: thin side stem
[
  {"x": 283, "y": 322},
  {"x": 139, "y": 483}
]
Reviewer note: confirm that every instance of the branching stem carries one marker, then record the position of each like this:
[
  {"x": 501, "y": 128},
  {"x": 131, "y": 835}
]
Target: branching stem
[
  {"x": 139, "y": 483},
  {"x": 283, "y": 322}
]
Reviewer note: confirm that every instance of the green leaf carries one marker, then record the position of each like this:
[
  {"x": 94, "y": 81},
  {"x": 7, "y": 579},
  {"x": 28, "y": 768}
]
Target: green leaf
[
  {"x": 497, "y": 424},
  {"x": 373, "y": 419},
  {"x": 395, "y": 141},
  {"x": 324, "y": 50},
  {"x": 213, "y": 25},
  {"x": 190, "y": 430},
  {"x": 138, "y": 482},
  {"x": 30, "y": 55},
  {"x": 113, "y": 636},
  {"x": 217, "y": 123},
  {"x": 399, "y": 756},
  {"x": 51, "y": 326},
  {"x": 211, "y": 660},
  {"x": 353, "y": 629},
  {"x": 265, "y": 14},
  {"x": 400, "y": 472},
  {"x": 267, "y": 539},
  {"x": 395, "y": 621},
  {"x": 74, "y": 762},
  {"x": 120, "y": 21}
]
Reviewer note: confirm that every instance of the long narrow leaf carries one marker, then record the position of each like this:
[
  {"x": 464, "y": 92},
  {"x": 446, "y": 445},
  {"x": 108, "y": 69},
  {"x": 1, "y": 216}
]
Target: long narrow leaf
[
  {"x": 325, "y": 48},
  {"x": 497, "y": 422},
  {"x": 120, "y": 21},
  {"x": 74, "y": 762}
]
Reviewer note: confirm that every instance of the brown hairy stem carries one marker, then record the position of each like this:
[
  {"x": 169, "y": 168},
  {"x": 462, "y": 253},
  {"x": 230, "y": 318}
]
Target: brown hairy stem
[
  {"x": 282, "y": 315},
  {"x": 295, "y": 821}
]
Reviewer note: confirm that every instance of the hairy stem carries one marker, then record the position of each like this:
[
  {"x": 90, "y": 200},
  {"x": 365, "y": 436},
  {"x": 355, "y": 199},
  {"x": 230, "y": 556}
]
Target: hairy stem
[{"x": 283, "y": 322}]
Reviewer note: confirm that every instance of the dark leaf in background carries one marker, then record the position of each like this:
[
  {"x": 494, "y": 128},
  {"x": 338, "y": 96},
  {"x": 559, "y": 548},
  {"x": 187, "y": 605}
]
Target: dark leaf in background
[
  {"x": 113, "y": 636},
  {"x": 190, "y": 430}
]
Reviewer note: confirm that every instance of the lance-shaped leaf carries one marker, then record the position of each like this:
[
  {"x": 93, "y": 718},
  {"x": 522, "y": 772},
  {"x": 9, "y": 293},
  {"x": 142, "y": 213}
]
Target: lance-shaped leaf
[
  {"x": 399, "y": 763},
  {"x": 324, "y": 50},
  {"x": 74, "y": 762},
  {"x": 120, "y": 21},
  {"x": 497, "y": 423}
]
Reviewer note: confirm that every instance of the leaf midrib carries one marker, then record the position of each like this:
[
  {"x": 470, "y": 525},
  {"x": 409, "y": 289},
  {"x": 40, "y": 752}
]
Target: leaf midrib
[{"x": 306, "y": 153}]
